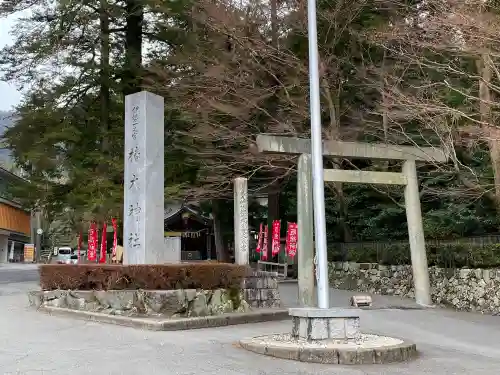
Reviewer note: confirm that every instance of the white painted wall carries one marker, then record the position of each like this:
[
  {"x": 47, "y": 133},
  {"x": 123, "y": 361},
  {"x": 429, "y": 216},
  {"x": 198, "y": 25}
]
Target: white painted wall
[{"x": 4, "y": 251}]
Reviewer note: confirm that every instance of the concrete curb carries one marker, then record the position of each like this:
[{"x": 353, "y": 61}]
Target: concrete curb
[
  {"x": 390, "y": 354},
  {"x": 178, "y": 324}
]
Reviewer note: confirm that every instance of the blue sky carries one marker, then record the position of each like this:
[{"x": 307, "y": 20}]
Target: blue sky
[{"x": 9, "y": 96}]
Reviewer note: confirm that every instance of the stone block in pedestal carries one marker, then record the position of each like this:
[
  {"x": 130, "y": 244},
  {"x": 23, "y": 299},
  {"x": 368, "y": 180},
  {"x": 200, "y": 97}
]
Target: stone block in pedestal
[{"x": 325, "y": 324}]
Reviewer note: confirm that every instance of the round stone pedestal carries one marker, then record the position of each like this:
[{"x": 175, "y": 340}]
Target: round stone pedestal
[{"x": 330, "y": 336}]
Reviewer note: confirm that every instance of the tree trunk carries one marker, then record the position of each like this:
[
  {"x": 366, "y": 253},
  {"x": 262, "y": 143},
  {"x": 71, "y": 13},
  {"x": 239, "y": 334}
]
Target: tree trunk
[
  {"x": 274, "y": 23},
  {"x": 104, "y": 91},
  {"x": 385, "y": 110},
  {"x": 221, "y": 252},
  {"x": 133, "y": 47},
  {"x": 333, "y": 133},
  {"x": 491, "y": 132},
  {"x": 104, "y": 73},
  {"x": 494, "y": 146}
]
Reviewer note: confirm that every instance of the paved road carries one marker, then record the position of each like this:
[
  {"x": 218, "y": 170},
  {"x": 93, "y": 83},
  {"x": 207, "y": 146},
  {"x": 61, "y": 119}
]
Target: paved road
[
  {"x": 35, "y": 343},
  {"x": 18, "y": 273}
]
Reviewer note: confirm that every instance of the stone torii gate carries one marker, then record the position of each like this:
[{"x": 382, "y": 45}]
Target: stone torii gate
[{"x": 356, "y": 150}]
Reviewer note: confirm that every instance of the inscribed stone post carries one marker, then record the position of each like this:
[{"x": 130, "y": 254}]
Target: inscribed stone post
[
  {"x": 241, "y": 243},
  {"x": 416, "y": 235},
  {"x": 305, "y": 251},
  {"x": 143, "y": 181}
]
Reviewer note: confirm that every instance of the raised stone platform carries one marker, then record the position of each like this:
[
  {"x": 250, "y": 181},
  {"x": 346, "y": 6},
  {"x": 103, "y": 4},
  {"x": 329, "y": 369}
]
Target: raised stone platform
[
  {"x": 257, "y": 300},
  {"x": 369, "y": 349},
  {"x": 330, "y": 336},
  {"x": 259, "y": 290}
]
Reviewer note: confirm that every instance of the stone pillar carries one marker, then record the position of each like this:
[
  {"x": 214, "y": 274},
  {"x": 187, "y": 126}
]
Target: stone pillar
[
  {"x": 241, "y": 242},
  {"x": 315, "y": 324},
  {"x": 416, "y": 235},
  {"x": 143, "y": 181},
  {"x": 305, "y": 248},
  {"x": 11, "y": 251},
  {"x": 172, "y": 249}
]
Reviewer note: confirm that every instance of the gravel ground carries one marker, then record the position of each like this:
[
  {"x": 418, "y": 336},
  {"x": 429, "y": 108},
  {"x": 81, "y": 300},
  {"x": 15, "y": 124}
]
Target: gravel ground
[{"x": 366, "y": 341}]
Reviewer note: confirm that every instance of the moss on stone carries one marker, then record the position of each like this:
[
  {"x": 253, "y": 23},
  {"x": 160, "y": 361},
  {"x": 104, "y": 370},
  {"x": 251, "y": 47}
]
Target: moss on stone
[{"x": 235, "y": 297}]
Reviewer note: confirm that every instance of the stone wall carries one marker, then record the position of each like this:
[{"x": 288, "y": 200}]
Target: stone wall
[
  {"x": 463, "y": 289},
  {"x": 260, "y": 290},
  {"x": 167, "y": 303}
]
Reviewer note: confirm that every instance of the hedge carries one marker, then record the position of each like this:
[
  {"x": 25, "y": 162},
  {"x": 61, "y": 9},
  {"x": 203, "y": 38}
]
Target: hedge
[
  {"x": 206, "y": 276},
  {"x": 445, "y": 256}
]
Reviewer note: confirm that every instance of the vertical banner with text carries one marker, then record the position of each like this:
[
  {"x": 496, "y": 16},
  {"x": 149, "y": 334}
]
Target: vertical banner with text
[
  {"x": 291, "y": 240},
  {"x": 259, "y": 240},
  {"x": 275, "y": 245},
  {"x": 115, "y": 238},
  {"x": 92, "y": 243},
  {"x": 104, "y": 243},
  {"x": 264, "y": 243}
]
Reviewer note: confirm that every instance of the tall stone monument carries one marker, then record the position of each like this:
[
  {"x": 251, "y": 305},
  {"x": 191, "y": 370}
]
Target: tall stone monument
[
  {"x": 143, "y": 181},
  {"x": 241, "y": 233}
]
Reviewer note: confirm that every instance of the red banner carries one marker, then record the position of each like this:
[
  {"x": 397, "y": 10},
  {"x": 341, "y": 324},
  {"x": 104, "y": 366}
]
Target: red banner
[
  {"x": 259, "y": 240},
  {"x": 115, "y": 238},
  {"x": 291, "y": 239},
  {"x": 104, "y": 243},
  {"x": 264, "y": 244},
  {"x": 276, "y": 237},
  {"x": 79, "y": 246},
  {"x": 92, "y": 243}
]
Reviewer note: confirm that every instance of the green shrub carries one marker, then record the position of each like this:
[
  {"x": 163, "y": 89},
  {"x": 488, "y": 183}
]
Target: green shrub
[
  {"x": 445, "y": 256},
  {"x": 206, "y": 276}
]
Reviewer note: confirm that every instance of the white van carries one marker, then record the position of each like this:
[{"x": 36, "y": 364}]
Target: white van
[{"x": 65, "y": 255}]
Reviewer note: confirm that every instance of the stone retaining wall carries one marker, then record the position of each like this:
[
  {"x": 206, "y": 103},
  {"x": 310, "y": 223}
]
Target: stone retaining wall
[
  {"x": 166, "y": 303},
  {"x": 462, "y": 289},
  {"x": 259, "y": 290}
]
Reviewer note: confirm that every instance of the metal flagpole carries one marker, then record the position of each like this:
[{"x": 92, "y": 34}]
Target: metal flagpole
[{"x": 317, "y": 159}]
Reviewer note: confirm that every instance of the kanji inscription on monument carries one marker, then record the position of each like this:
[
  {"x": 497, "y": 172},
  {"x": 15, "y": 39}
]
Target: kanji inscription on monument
[{"x": 143, "y": 180}]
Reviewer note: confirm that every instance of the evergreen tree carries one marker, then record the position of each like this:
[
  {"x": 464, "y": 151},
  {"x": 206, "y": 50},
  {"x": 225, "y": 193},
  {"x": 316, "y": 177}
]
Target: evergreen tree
[{"x": 228, "y": 72}]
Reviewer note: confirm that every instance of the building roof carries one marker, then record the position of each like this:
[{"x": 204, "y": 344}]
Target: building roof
[
  {"x": 11, "y": 176},
  {"x": 174, "y": 211}
]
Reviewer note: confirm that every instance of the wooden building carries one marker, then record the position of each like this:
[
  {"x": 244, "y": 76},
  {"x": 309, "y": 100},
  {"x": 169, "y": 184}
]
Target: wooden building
[
  {"x": 15, "y": 221},
  {"x": 186, "y": 225}
]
